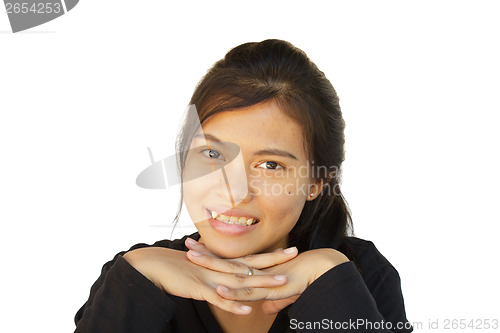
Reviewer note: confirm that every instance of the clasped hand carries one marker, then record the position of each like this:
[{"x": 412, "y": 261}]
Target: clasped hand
[
  {"x": 291, "y": 273},
  {"x": 278, "y": 277}
]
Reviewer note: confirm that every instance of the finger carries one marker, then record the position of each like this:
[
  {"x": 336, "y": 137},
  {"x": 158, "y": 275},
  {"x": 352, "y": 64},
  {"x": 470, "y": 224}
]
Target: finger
[
  {"x": 259, "y": 261},
  {"x": 239, "y": 281},
  {"x": 265, "y": 260},
  {"x": 227, "y": 305},
  {"x": 221, "y": 265},
  {"x": 199, "y": 247},
  {"x": 250, "y": 293},
  {"x": 270, "y": 307},
  {"x": 241, "y": 294}
]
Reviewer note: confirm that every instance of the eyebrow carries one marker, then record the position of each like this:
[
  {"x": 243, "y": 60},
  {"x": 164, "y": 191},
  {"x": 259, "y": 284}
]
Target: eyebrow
[{"x": 261, "y": 152}]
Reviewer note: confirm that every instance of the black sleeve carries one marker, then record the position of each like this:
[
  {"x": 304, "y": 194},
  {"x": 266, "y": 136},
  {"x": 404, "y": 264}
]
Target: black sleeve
[
  {"x": 344, "y": 300},
  {"x": 123, "y": 300},
  {"x": 384, "y": 284}
]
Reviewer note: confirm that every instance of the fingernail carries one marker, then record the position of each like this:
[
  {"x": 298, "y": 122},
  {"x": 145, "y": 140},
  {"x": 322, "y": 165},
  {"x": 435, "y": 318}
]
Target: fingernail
[
  {"x": 290, "y": 250},
  {"x": 279, "y": 277},
  {"x": 224, "y": 289},
  {"x": 194, "y": 253},
  {"x": 246, "y": 308},
  {"x": 191, "y": 241},
  {"x": 277, "y": 250}
]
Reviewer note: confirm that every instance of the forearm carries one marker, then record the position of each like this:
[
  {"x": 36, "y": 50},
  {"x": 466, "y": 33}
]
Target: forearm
[
  {"x": 339, "y": 299},
  {"x": 126, "y": 302}
]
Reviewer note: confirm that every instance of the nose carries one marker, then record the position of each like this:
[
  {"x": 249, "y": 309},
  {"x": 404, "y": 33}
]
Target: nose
[{"x": 234, "y": 187}]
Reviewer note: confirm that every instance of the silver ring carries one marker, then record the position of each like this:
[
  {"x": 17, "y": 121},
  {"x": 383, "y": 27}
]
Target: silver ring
[{"x": 250, "y": 271}]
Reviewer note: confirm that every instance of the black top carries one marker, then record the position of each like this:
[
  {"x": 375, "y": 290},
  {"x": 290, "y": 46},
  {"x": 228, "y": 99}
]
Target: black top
[{"x": 343, "y": 299}]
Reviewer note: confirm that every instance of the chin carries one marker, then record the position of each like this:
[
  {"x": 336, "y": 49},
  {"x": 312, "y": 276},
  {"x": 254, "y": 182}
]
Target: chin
[
  {"x": 229, "y": 253},
  {"x": 228, "y": 249}
]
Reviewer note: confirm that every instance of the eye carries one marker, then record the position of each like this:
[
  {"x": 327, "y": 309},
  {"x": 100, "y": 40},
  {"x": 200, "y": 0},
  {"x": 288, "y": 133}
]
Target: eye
[
  {"x": 270, "y": 165},
  {"x": 212, "y": 154}
]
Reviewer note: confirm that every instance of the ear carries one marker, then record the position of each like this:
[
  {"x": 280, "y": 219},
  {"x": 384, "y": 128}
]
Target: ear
[{"x": 315, "y": 189}]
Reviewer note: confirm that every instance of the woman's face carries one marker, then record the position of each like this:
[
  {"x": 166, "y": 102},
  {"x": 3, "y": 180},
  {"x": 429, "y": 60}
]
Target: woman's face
[{"x": 247, "y": 165}]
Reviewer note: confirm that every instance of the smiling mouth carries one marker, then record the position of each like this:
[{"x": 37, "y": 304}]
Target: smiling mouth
[{"x": 233, "y": 219}]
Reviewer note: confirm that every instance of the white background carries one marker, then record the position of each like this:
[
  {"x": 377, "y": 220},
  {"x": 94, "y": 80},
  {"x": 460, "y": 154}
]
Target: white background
[{"x": 83, "y": 96}]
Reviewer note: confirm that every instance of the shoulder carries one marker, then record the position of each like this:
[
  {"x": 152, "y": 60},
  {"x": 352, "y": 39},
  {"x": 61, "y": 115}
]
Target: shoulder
[
  {"x": 368, "y": 257},
  {"x": 381, "y": 278},
  {"x": 361, "y": 245}
]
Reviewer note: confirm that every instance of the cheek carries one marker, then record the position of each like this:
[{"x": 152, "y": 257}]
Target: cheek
[
  {"x": 189, "y": 197},
  {"x": 189, "y": 194},
  {"x": 286, "y": 208},
  {"x": 276, "y": 186},
  {"x": 198, "y": 184},
  {"x": 193, "y": 193},
  {"x": 288, "y": 199}
]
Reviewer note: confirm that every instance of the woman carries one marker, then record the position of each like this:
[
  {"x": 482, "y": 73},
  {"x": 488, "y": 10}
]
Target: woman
[{"x": 261, "y": 183}]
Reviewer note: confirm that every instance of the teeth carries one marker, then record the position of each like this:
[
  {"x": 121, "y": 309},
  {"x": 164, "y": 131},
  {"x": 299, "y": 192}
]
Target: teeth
[{"x": 233, "y": 219}]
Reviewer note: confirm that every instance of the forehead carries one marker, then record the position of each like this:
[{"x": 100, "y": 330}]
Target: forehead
[{"x": 263, "y": 125}]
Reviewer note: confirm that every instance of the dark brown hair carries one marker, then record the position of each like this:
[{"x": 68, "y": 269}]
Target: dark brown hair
[{"x": 276, "y": 70}]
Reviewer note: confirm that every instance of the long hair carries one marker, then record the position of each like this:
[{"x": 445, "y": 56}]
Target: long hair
[{"x": 276, "y": 70}]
